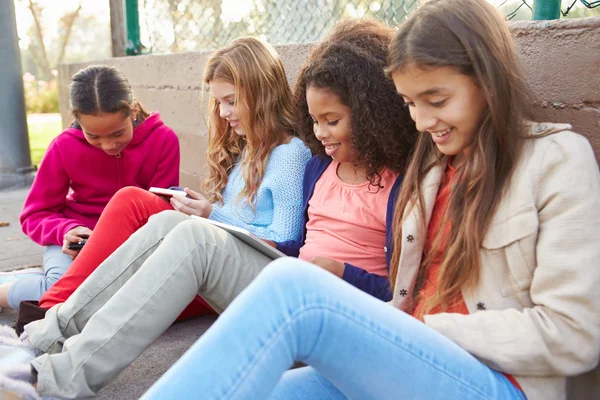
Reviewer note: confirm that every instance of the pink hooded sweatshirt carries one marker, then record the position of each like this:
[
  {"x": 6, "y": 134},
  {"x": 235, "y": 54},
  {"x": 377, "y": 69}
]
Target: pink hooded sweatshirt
[{"x": 51, "y": 210}]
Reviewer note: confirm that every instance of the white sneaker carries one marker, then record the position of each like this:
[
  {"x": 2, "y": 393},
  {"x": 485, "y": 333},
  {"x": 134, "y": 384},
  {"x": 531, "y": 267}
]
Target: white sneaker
[
  {"x": 32, "y": 270},
  {"x": 13, "y": 276}
]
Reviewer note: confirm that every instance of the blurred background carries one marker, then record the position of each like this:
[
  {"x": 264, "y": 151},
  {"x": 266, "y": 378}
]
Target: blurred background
[{"x": 52, "y": 32}]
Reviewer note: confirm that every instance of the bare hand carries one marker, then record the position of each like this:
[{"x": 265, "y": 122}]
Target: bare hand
[
  {"x": 74, "y": 236},
  {"x": 333, "y": 266},
  {"x": 196, "y": 205}
]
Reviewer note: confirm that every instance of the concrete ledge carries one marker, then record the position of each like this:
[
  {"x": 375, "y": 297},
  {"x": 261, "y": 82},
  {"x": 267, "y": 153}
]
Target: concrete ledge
[{"x": 561, "y": 60}]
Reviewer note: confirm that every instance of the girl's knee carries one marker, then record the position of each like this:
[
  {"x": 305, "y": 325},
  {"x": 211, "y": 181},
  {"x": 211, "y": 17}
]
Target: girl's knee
[
  {"x": 199, "y": 227},
  {"x": 126, "y": 201},
  {"x": 49, "y": 279},
  {"x": 52, "y": 273},
  {"x": 136, "y": 205},
  {"x": 130, "y": 193},
  {"x": 195, "y": 229},
  {"x": 291, "y": 271},
  {"x": 168, "y": 218},
  {"x": 128, "y": 197},
  {"x": 184, "y": 233},
  {"x": 29, "y": 288}
]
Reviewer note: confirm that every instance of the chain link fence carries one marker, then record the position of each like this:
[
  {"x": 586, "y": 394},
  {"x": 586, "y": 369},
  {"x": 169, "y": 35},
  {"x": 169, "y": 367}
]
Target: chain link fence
[
  {"x": 522, "y": 9},
  {"x": 170, "y": 26},
  {"x": 589, "y": 4},
  {"x": 512, "y": 9}
]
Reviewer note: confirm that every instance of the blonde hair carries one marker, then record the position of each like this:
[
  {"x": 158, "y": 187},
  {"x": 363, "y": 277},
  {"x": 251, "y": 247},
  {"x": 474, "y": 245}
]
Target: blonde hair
[
  {"x": 471, "y": 36},
  {"x": 263, "y": 101}
]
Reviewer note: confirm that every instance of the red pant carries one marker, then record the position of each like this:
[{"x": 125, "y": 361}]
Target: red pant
[{"x": 125, "y": 213}]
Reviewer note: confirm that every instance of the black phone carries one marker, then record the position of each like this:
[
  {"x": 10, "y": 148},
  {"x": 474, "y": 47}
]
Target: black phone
[{"x": 76, "y": 245}]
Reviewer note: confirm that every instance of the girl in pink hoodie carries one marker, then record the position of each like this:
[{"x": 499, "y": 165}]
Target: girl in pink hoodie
[{"x": 113, "y": 143}]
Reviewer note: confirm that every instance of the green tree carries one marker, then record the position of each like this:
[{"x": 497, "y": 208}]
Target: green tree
[{"x": 38, "y": 47}]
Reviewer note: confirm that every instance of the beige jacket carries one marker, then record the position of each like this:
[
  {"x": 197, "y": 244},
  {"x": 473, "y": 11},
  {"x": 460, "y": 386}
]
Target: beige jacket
[{"x": 535, "y": 312}]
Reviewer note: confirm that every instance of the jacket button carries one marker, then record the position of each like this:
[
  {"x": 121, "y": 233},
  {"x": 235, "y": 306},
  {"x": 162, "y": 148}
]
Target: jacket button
[
  {"x": 385, "y": 249},
  {"x": 410, "y": 238},
  {"x": 403, "y": 292},
  {"x": 481, "y": 306}
]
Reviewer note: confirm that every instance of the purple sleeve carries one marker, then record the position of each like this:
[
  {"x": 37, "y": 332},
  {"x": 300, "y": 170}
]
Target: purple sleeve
[
  {"x": 375, "y": 285},
  {"x": 291, "y": 248}
]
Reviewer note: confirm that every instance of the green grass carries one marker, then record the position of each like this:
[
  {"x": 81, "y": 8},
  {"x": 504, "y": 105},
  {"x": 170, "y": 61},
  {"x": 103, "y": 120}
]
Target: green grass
[{"x": 42, "y": 129}]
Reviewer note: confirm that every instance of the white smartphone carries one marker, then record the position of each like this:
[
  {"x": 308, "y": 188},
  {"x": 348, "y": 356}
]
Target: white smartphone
[{"x": 167, "y": 192}]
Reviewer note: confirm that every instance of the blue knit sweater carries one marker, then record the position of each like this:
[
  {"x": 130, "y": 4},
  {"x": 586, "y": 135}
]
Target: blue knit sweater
[
  {"x": 373, "y": 284},
  {"x": 277, "y": 213}
]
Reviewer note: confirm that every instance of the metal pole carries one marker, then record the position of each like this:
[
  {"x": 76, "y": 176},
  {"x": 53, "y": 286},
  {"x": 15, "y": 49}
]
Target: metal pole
[
  {"x": 134, "y": 44},
  {"x": 546, "y": 9},
  {"x": 15, "y": 159},
  {"x": 117, "y": 27}
]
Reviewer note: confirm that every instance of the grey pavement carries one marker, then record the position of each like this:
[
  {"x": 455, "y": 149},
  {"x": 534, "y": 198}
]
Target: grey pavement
[{"x": 17, "y": 251}]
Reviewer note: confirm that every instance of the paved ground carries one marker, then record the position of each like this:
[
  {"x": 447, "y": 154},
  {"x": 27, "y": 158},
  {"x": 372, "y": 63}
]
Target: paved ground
[{"x": 16, "y": 251}]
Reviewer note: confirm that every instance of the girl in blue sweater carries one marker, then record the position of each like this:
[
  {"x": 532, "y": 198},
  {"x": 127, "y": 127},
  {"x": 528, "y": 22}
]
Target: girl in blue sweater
[
  {"x": 496, "y": 253},
  {"x": 347, "y": 110},
  {"x": 255, "y": 167}
]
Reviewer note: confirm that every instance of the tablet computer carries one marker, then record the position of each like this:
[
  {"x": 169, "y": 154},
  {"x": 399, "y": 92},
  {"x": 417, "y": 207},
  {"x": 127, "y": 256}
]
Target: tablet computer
[{"x": 247, "y": 237}]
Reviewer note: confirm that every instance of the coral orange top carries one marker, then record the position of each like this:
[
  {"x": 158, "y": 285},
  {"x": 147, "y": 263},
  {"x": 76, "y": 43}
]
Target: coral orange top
[{"x": 431, "y": 282}]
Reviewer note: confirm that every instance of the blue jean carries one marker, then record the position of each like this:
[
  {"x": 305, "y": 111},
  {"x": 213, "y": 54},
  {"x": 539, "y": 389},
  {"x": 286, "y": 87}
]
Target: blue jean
[
  {"x": 56, "y": 264},
  {"x": 357, "y": 347}
]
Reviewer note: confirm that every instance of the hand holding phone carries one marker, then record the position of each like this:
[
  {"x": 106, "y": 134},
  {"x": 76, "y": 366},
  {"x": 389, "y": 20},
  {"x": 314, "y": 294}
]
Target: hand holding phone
[
  {"x": 193, "y": 204},
  {"x": 76, "y": 245},
  {"x": 74, "y": 240}
]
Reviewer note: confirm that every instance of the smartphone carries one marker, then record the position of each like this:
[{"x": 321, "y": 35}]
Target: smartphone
[
  {"x": 76, "y": 245},
  {"x": 167, "y": 193}
]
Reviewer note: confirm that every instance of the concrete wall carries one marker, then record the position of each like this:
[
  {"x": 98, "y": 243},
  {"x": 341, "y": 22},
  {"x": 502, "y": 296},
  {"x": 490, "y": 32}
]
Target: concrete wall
[
  {"x": 172, "y": 84},
  {"x": 561, "y": 61}
]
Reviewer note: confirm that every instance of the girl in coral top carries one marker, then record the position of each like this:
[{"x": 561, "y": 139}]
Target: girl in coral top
[
  {"x": 496, "y": 263},
  {"x": 113, "y": 143}
]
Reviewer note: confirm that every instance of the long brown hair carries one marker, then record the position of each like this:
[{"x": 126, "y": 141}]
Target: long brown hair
[
  {"x": 471, "y": 36},
  {"x": 263, "y": 100}
]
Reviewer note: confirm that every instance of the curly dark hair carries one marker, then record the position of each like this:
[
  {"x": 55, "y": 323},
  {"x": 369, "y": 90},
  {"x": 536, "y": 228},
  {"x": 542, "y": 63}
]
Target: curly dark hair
[{"x": 350, "y": 63}]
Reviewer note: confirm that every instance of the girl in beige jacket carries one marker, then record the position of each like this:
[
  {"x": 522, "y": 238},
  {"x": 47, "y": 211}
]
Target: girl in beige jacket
[{"x": 496, "y": 260}]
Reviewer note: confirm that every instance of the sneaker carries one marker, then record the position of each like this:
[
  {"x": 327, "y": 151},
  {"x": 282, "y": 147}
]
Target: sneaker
[
  {"x": 11, "y": 277},
  {"x": 32, "y": 270}
]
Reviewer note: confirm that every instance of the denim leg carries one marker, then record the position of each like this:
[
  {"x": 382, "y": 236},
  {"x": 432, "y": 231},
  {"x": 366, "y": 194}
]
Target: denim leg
[
  {"x": 367, "y": 349},
  {"x": 56, "y": 264},
  {"x": 305, "y": 383}
]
